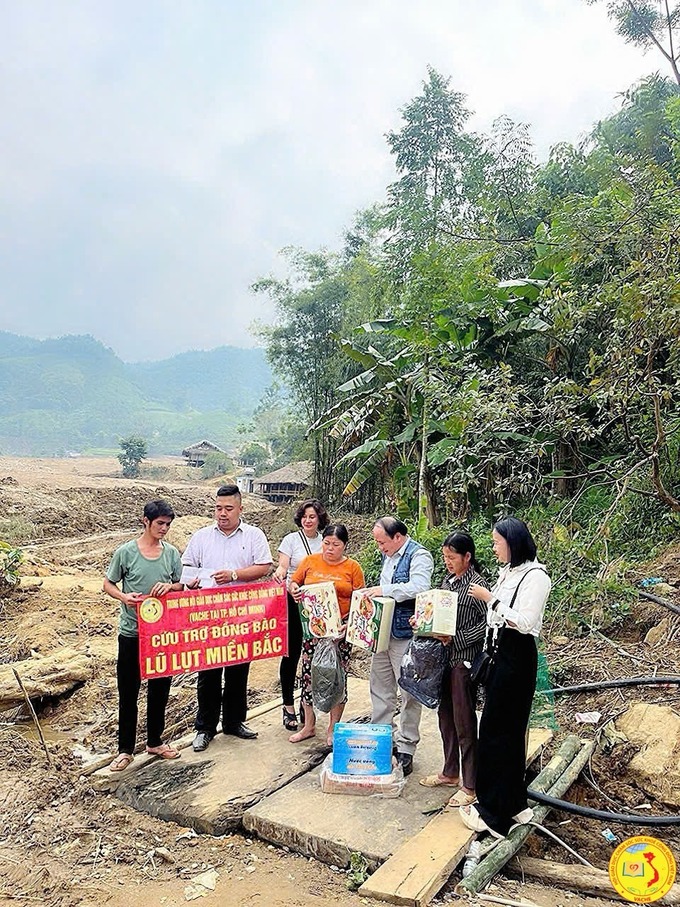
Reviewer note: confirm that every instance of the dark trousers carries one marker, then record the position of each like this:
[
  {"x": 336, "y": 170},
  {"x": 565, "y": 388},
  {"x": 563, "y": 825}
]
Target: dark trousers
[
  {"x": 129, "y": 682},
  {"x": 231, "y": 700},
  {"x": 458, "y": 726},
  {"x": 501, "y": 759},
  {"x": 289, "y": 663}
]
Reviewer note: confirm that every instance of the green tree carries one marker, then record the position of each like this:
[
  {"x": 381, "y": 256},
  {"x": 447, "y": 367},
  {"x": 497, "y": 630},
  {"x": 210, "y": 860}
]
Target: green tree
[
  {"x": 650, "y": 25},
  {"x": 133, "y": 451}
]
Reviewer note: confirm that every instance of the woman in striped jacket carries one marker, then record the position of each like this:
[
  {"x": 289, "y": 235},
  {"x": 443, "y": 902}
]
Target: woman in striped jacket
[{"x": 457, "y": 715}]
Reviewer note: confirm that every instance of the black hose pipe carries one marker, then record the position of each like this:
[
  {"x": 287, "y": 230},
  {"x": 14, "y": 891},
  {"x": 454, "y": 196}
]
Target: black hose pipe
[
  {"x": 601, "y": 814},
  {"x": 612, "y": 684}
]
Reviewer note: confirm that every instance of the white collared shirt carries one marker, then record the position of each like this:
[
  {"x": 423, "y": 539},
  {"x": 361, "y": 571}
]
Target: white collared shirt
[
  {"x": 526, "y": 614},
  {"x": 211, "y": 550}
]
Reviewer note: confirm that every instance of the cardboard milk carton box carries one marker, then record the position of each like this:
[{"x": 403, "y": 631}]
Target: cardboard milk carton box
[
  {"x": 319, "y": 611},
  {"x": 362, "y": 749},
  {"x": 370, "y": 621},
  {"x": 436, "y": 612}
]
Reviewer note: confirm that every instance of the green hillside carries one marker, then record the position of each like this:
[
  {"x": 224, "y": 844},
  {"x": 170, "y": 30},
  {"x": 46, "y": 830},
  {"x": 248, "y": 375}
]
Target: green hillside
[{"x": 73, "y": 394}]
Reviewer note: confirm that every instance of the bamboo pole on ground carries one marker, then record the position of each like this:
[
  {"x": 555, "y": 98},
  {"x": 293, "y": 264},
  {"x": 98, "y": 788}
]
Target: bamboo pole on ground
[{"x": 508, "y": 847}]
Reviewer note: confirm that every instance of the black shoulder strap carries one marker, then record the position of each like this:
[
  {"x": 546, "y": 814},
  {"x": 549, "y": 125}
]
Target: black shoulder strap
[{"x": 306, "y": 543}]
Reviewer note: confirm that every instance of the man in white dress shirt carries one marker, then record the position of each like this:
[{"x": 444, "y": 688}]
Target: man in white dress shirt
[
  {"x": 228, "y": 551},
  {"x": 406, "y": 570}
]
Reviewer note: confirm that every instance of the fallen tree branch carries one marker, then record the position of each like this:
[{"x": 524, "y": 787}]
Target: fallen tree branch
[
  {"x": 588, "y": 881},
  {"x": 52, "y": 675},
  {"x": 34, "y": 717}
]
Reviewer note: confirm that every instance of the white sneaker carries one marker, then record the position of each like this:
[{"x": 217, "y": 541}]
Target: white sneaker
[
  {"x": 526, "y": 816},
  {"x": 472, "y": 820}
]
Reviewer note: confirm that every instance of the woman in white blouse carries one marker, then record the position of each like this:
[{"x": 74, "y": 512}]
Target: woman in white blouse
[
  {"x": 311, "y": 518},
  {"x": 515, "y": 616}
]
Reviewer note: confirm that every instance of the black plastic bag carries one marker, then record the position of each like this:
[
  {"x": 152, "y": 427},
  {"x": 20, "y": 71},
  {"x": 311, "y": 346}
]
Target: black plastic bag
[
  {"x": 328, "y": 676},
  {"x": 422, "y": 670}
]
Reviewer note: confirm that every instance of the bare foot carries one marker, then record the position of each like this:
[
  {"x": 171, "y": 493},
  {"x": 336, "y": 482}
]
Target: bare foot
[{"x": 303, "y": 734}]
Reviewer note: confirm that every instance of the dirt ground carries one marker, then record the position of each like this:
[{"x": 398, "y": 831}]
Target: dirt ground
[{"x": 63, "y": 843}]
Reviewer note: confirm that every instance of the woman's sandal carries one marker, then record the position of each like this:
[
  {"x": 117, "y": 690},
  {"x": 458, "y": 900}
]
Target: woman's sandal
[
  {"x": 461, "y": 798},
  {"x": 164, "y": 751},
  {"x": 121, "y": 762},
  {"x": 290, "y": 721},
  {"x": 437, "y": 781}
]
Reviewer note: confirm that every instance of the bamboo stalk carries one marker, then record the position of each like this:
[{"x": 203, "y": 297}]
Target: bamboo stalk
[
  {"x": 34, "y": 717},
  {"x": 509, "y": 846}
]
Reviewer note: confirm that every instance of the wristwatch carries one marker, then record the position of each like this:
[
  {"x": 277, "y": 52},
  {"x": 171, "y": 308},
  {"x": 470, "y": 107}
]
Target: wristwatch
[{"x": 234, "y": 576}]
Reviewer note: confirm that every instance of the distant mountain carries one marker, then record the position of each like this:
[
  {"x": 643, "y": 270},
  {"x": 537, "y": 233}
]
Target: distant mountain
[{"x": 74, "y": 393}]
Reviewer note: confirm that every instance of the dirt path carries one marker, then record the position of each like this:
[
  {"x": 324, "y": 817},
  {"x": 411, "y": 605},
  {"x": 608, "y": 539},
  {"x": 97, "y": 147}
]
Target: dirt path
[{"x": 64, "y": 844}]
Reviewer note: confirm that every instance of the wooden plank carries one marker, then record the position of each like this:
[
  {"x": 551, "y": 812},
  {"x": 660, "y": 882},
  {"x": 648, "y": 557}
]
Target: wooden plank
[{"x": 416, "y": 871}]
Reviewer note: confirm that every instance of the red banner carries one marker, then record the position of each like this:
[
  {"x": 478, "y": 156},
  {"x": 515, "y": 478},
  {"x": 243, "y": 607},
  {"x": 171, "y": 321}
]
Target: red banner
[{"x": 210, "y": 628}]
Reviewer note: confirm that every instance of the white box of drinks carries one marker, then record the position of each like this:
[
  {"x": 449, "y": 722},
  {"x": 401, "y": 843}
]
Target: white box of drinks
[{"x": 436, "y": 613}]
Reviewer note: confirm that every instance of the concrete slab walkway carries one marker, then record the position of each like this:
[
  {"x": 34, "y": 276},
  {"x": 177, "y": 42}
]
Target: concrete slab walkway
[
  {"x": 210, "y": 791},
  {"x": 330, "y": 827}
]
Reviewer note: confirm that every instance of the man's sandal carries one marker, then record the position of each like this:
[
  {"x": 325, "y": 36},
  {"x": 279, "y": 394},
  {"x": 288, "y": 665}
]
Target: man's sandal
[
  {"x": 121, "y": 762},
  {"x": 164, "y": 751}
]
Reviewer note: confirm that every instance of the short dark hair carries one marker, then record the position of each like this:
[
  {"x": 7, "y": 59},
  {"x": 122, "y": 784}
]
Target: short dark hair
[
  {"x": 392, "y": 526},
  {"x": 321, "y": 512},
  {"x": 520, "y": 541},
  {"x": 339, "y": 530},
  {"x": 462, "y": 543},
  {"x": 228, "y": 491},
  {"x": 154, "y": 509}
]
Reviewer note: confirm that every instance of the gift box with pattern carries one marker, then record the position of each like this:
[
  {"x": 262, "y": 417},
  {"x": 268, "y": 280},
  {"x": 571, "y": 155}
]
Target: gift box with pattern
[
  {"x": 435, "y": 613},
  {"x": 370, "y": 621},
  {"x": 319, "y": 611}
]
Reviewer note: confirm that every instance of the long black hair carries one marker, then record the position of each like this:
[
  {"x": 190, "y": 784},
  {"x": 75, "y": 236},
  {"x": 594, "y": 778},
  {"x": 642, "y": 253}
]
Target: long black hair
[{"x": 520, "y": 541}]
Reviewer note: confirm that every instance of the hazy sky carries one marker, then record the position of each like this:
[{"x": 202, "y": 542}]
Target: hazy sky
[{"x": 155, "y": 156}]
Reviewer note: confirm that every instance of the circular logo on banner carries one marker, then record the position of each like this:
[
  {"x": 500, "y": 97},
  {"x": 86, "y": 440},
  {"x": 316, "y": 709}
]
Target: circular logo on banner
[
  {"x": 151, "y": 610},
  {"x": 642, "y": 869}
]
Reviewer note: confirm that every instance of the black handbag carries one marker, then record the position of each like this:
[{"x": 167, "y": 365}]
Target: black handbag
[{"x": 482, "y": 664}]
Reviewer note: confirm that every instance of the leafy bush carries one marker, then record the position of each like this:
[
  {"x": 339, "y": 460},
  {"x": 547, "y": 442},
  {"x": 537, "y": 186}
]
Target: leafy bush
[
  {"x": 133, "y": 451},
  {"x": 10, "y": 560},
  {"x": 216, "y": 464}
]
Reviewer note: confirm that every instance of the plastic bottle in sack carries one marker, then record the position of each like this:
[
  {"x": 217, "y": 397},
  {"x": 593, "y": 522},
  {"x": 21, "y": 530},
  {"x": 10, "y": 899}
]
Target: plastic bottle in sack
[{"x": 472, "y": 858}]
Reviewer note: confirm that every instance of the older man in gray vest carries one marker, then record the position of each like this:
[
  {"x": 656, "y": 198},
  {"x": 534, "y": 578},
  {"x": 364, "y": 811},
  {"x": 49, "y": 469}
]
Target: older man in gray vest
[{"x": 406, "y": 570}]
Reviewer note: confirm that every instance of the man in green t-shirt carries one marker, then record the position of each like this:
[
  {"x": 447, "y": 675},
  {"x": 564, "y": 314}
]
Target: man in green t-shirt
[{"x": 144, "y": 566}]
